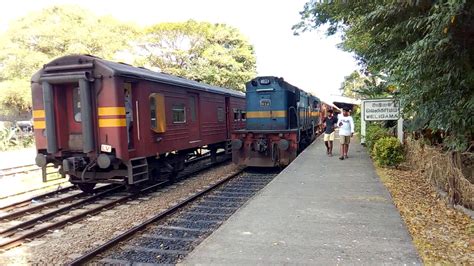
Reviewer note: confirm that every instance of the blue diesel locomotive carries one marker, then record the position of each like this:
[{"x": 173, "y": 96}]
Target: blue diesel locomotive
[{"x": 281, "y": 120}]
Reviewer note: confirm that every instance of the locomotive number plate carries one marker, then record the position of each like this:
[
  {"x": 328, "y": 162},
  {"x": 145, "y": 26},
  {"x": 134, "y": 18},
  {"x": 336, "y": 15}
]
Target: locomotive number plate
[
  {"x": 265, "y": 102},
  {"x": 105, "y": 148}
]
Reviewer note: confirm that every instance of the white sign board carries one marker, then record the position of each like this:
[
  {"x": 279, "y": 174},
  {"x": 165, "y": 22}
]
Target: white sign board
[{"x": 381, "y": 109}]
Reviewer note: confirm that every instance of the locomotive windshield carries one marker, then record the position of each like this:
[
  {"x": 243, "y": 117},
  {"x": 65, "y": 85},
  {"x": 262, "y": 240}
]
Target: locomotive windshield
[{"x": 264, "y": 81}]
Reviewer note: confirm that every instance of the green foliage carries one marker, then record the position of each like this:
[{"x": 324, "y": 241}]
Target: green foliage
[
  {"x": 361, "y": 86},
  {"x": 356, "y": 117},
  {"x": 388, "y": 152},
  {"x": 374, "y": 132},
  {"x": 41, "y": 36},
  {"x": 12, "y": 137},
  {"x": 27, "y": 140},
  {"x": 7, "y": 138},
  {"x": 212, "y": 53},
  {"x": 15, "y": 96},
  {"x": 424, "y": 48},
  {"x": 216, "y": 54}
]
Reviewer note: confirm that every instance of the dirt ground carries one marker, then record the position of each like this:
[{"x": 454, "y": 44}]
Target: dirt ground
[{"x": 441, "y": 234}]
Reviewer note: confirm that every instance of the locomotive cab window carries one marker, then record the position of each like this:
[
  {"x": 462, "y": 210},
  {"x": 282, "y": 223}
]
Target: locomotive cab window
[
  {"x": 179, "y": 113},
  {"x": 316, "y": 105},
  {"x": 157, "y": 113}
]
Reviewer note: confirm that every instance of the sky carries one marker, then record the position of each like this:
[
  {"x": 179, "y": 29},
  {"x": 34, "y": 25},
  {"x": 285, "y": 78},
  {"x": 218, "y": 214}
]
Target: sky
[{"x": 310, "y": 61}]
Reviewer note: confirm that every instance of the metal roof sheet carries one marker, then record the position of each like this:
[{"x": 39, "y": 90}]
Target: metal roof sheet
[{"x": 136, "y": 72}]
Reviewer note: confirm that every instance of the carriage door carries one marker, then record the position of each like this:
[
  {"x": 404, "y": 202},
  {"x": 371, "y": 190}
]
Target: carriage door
[
  {"x": 130, "y": 114},
  {"x": 74, "y": 117},
  {"x": 228, "y": 116},
  {"x": 193, "y": 118}
]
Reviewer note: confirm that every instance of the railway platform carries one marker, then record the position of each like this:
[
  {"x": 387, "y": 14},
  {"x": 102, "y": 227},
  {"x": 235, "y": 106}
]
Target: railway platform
[{"x": 319, "y": 210}]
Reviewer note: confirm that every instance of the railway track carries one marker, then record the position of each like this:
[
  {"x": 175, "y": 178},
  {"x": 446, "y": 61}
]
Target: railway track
[
  {"x": 170, "y": 235},
  {"x": 46, "y": 197},
  {"x": 59, "y": 184},
  {"x": 22, "y": 223},
  {"x": 48, "y": 194},
  {"x": 22, "y": 169}
]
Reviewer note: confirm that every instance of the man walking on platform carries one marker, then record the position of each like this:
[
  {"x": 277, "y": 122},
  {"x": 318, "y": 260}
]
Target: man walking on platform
[
  {"x": 330, "y": 123},
  {"x": 346, "y": 131}
]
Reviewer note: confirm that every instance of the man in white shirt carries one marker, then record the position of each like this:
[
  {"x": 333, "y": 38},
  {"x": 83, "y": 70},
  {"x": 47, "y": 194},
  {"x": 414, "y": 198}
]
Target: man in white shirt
[{"x": 346, "y": 131}]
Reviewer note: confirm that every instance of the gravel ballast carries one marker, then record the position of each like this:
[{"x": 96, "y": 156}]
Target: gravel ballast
[{"x": 61, "y": 246}]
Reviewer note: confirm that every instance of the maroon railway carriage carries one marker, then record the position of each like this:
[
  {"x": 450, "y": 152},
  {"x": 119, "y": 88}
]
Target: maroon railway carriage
[{"x": 107, "y": 122}]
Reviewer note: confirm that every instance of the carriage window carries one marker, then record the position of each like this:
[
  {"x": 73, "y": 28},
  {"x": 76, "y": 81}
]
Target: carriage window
[
  {"x": 236, "y": 114},
  {"x": 243, "y": 115},
  {"x": 157, "y": 113},
  {"x": 153, "y": 112},
  {"x": 192, "y": 108},
  {"x": 76, "y": 101},
  {"x": 220, "y": 114},
  {"x": 179, "y": 114}
]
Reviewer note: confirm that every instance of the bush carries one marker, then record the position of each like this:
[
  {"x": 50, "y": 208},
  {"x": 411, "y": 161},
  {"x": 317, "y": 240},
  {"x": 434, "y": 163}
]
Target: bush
[
  {"x": 7, "y": 138},
  {"x": 356, "y": 117},
  {"x": 15, "y": 96},
  {"x": 374, "y": 132},
  {"x": 27, "y": 141},
  {"x": 388, "y": 152}
]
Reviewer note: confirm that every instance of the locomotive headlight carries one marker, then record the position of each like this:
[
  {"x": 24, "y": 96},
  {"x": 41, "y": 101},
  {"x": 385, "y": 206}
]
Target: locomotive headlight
[
  {"x": 236, "y": 144},
  {"x": 283, "y": 144}
]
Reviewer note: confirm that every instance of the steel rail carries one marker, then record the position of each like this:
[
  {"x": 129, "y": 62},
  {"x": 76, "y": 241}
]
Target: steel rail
[
  {"x": 49, "y": 203},
  {"x": 91, "y": 254},
  {"x": 17, "y": 167},
  {"x": 18, "y": 170},
  {"x": 22, "y": 238},
  {"x": 30, "y": 223},
  {"x": 37, "y": 197}
]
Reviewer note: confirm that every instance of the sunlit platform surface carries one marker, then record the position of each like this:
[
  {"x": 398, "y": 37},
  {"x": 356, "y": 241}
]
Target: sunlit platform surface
[{"x": 319, "y": 210}]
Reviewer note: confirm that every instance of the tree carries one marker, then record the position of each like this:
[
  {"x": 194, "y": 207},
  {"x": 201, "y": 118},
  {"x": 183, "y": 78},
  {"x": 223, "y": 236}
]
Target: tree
[
  {"x": 216, "y": 54},
  {"x": 425, "y": 49},
  {"x": 39, "y": 37},
  {"x": 15, "y": 97},
  {"x": 360, "y": 86}
]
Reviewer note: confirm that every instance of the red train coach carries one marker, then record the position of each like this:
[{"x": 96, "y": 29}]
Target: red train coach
[{"x": 107, "y": 122}]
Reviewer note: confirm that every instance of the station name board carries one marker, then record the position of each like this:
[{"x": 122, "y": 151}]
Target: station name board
[{"x": 381, "y": 109}]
